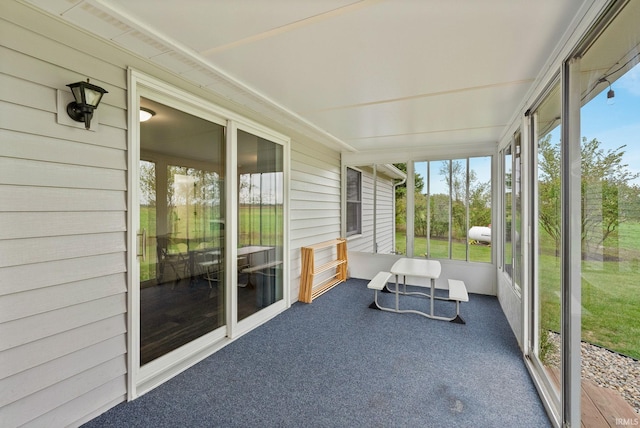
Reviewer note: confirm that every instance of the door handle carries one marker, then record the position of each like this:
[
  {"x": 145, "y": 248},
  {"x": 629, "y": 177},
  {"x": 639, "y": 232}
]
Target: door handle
[{"x": 142, "y": 245}]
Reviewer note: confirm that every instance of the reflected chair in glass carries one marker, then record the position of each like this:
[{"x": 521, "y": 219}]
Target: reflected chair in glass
[
  {"x": 176, "y": 261},
  {"x": 209, "y": 264}
]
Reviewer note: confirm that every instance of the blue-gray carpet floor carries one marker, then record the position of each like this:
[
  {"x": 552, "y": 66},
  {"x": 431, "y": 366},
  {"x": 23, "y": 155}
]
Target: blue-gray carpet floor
[{"x": 337, "y": 363}]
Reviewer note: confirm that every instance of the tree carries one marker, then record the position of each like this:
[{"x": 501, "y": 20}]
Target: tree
[
  {"x": 549, "y": 189},
  {"x": 605, "y": 186},
  {"x": 478, "y": 199}
]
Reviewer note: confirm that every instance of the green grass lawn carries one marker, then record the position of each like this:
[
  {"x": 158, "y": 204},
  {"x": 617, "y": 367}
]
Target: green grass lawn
[
  {"x": 610, "y": 294},
  {"x": 440, "y": 249}
]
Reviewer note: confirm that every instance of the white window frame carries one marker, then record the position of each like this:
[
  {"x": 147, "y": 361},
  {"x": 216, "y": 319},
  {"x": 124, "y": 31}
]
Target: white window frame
[{"x": 359, "y": 201}]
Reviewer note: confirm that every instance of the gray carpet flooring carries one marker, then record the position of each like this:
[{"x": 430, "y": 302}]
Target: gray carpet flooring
[{"x": 337, "y": 363}]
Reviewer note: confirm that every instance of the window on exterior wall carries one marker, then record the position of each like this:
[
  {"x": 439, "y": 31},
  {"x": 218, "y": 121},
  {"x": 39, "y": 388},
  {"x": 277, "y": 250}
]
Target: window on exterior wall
[
  {"x": 354, "y": 202},
  {"x": 452, "y": 214}
]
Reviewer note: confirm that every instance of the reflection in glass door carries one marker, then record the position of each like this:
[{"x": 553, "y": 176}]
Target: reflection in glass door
[
  {"x": 260, "y": 223},
  {"x": 181, "y": 187}
]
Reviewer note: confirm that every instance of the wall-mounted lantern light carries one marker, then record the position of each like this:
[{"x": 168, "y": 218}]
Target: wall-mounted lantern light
[{"x": 87, "y": 97}]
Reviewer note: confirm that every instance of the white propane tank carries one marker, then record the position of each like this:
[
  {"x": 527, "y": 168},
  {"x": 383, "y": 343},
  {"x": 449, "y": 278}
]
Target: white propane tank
[{"x": 480, "y": 233}]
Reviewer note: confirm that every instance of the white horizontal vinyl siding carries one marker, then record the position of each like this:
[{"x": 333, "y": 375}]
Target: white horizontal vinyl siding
[
  {"x": 386, "y": 223},
  {"x": 315, "y": 203},
  {"x": 62, "y": 236}
]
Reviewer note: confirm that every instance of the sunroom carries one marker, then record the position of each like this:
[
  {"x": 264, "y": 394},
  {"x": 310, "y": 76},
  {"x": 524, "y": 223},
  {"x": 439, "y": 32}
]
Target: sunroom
[{"x": 498, "y": 138}]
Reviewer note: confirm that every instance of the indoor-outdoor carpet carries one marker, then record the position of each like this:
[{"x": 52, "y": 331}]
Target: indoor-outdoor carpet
[{"x": 337, "y": 363}]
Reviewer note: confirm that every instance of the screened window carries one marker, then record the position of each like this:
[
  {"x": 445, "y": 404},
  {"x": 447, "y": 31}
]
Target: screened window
[
  {"x": 354, "y": 202},
  {"x": 452, "y": 209}
]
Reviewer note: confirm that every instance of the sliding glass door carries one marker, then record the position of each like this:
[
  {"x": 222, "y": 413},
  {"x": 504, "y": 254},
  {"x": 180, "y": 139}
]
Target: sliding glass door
[
  {"x": 182, "y": 226},
  {"x": 585, "y": 214}
]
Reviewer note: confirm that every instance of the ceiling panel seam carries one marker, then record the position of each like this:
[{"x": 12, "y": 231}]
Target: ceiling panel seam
[{"x": 427, "y": 95}]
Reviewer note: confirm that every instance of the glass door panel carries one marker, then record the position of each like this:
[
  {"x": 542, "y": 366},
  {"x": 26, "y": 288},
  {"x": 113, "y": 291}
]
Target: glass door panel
[
  {"x": 610, "y": 200},
  {"x": 182, "y": 209},
  {"x": 260, "y": 223},
  {"x": 547, "y": 225}
]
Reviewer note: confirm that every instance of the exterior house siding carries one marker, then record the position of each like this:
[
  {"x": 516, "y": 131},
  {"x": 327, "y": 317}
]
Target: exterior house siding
[
  {"x": 63, "y": 220},
  {"x": 315, "y": 203},
  {"x": 62, "y": 237},
  {"x": 386, "y": 223}
]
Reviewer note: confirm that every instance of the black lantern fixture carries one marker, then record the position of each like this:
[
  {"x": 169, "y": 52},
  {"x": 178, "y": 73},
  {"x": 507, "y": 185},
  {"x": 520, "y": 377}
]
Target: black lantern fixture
[{"x": 87, "y": 97}]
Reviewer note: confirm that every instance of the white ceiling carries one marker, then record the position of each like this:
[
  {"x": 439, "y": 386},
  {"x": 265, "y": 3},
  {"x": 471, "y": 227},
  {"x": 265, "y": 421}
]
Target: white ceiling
[{"x": 375, "y": 74}]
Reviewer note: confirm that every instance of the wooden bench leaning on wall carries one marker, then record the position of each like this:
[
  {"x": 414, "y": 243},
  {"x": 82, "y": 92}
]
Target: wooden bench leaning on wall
[{"x": 308, "y": 272}]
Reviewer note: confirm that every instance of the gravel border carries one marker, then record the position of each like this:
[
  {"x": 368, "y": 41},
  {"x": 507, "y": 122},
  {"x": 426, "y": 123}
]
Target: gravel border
[{"x": 605, "y": 368}]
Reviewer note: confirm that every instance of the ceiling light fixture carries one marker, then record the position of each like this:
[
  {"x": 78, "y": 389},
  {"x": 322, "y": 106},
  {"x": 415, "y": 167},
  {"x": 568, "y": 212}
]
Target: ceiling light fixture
[
  {"x": 87, "y": 97},
  {"x": 146, "y": 114}
]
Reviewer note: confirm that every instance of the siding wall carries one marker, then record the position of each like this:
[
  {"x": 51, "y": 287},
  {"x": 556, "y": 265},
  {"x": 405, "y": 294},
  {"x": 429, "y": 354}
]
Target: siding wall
[
  {"x": 315, "y": 203},
  {"x": 384, "y": 213},
  {"x": 63, "y": 214},
  {"x": 62, "y": 237},
  {"x": 385, "y": 221}
]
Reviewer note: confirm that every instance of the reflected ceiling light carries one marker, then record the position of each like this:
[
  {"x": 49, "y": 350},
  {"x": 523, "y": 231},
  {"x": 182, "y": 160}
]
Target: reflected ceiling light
[
  {"x": 146, "y": 114},
  {"x": 87, "y": 97}
]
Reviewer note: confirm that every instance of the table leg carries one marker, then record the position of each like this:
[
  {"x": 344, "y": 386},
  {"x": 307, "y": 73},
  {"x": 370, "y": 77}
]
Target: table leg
[
  {"x": 397, "y": 293},
  {"x": 433, "y": 286}
]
